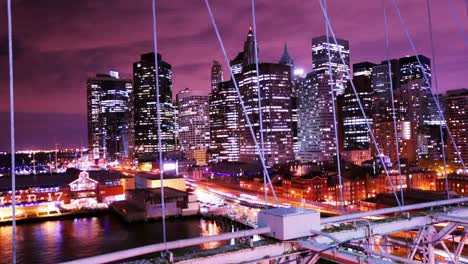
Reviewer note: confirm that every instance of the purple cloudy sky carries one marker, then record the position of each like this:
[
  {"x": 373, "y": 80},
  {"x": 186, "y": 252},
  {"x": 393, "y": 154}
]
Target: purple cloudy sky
[{"x": 58, "y": 44}]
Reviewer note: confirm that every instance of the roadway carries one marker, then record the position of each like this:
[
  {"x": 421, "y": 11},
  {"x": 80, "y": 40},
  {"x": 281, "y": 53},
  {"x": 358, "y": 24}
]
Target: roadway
[{"x": 231, "y": 190}]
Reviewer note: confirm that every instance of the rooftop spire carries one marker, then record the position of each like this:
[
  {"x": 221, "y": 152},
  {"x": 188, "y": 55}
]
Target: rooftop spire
[{"x": 285, "y": 58}]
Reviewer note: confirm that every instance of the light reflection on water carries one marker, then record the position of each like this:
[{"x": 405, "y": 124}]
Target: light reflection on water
[
  {"x": 67, "y": 239},
  {"x": 210, "y": 228}
]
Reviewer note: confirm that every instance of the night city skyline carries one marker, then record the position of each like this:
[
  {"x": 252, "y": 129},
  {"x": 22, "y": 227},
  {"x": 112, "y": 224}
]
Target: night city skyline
[
  {"x": 305, "y": 132},
  {"x": 59, "y": 45}
]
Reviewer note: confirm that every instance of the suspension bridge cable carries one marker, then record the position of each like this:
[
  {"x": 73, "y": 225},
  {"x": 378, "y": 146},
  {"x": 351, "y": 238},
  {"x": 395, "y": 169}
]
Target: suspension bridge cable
[
  {"x": 158, "y": 111},
  {"x": 457, "y": 21},
  {"x": 395, "y": 129},
  {"x": 379, "y": 154},
  {"x": 335, "y": 123},
  {"x": 426, "y": 78},
  {"x": 12, "y": 134},
  {"x": 259, "y": 98},
  {"x": 241, "y": 101},
  {"x": 436, "y": 83}
]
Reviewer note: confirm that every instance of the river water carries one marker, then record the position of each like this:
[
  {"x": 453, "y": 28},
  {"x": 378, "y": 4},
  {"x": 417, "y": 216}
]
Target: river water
[{"x": 68, "y": 239}]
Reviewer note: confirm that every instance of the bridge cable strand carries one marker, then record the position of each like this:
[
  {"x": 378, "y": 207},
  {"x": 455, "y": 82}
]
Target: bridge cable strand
[
  {"x": 259, "y": 97},
  {"x": 457, "y": 21},
  {"x": 241, "y": 101},
  {"x": 158, "y": 111},
  {"x": 426, "y": 78},
  {"x": 379, "y": 153},
  {"x": 395, "y": 129},
  {"x": 436, "y": 83},
  {"x": 12, "y": 134},
  {"x": 335, "y": 123}
]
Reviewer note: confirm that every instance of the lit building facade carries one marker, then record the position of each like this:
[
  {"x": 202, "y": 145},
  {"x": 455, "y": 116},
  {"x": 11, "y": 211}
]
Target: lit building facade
[
  {"x": 356, "y": 132},
  {"x": 109, "y": 117},
  {"x": 456, "y": 111},
  {"x": 320, "y": 64},
  {"x": 224, "y": 123},
  {"x": 456, "y": 183},
  {"x": 425, "y": 181},
  {"x": 246, "y": 56},
  {"x": 382, "y": 102},
  {"x": 146, "y": 128},
  {"x": 296, "y": 82},
  {"x": 413, "y": 105},
  {"x": 192, "y": 122},
  {"x": 417, "y": 105},
  {"x": 216, "y": 75},
  {"x": 275, "y": 92},
  {"x": 316, "y": 132},
  {"x": 385, "y": 139},
  {"x": 411, "y": 70}
]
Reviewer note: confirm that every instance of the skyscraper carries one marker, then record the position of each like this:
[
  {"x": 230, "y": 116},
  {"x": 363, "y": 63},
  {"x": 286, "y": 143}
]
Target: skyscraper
[
  {"x": 415, "y": 102},
  {"x": 411, "y": 70},
  {"x": 297, "y": 78},
  {"x": 246, "y": 56},
  {"x": 146, "y": 132},
  {"x": 275, "y": 91},
  {"x": 193, "y": 123},
  {"x": 224, "y": 123},
  {"x": 249, "y": 48},
  {"x": 414, "y": 105},
  {"x": 456, "y": 110},
  {"x": 109, "y": 116},
  {"x": 320, "y": 64},
  {"x": 216, "y": 75},
  {"x": 316, "y": 134},
  {"x": 308, "y": 115},
  {"x": 382, "y": 100},
  {"x": 356, "y": 132}
]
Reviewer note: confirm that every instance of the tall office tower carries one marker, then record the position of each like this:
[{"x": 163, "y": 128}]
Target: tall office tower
[
  {"x": 382, "y": 118},
  {"x": 308, "y": 119},
  {"x": 415, "y": 102},
  {"x": 456, "y": 111},
  {"x": 320, "y": 64},
  {"x": 316, "y": 132},
  {"x": 416, "y": 107},
  {"x": 216, "y": 75},
  {"x": 315, "y": 120},
  {"x": 245, "y": 57},
  {"x": 297, "y": 77},
  {"x": 193, "y": 123},
  {"x": 382, "y": 103},
  {"x": 411, "y": 70},
  {"x": 146, "y": 128},
  {"x": 275, "y": 91},
  {"x": 109, "y": 116},
  {"x": 176, "y": 126},
  {"x": 356, "y": 132},
  {"x": 224, "y": 123},
  {"x": 418, "y": 104},
  {"x": 249, "y": 49}
]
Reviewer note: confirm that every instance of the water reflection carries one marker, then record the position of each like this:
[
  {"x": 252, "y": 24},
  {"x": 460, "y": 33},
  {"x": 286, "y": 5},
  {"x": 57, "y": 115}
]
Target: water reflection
[
  {"x": 210, "y": 228},
  {"x": 62, "y": 240}
]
